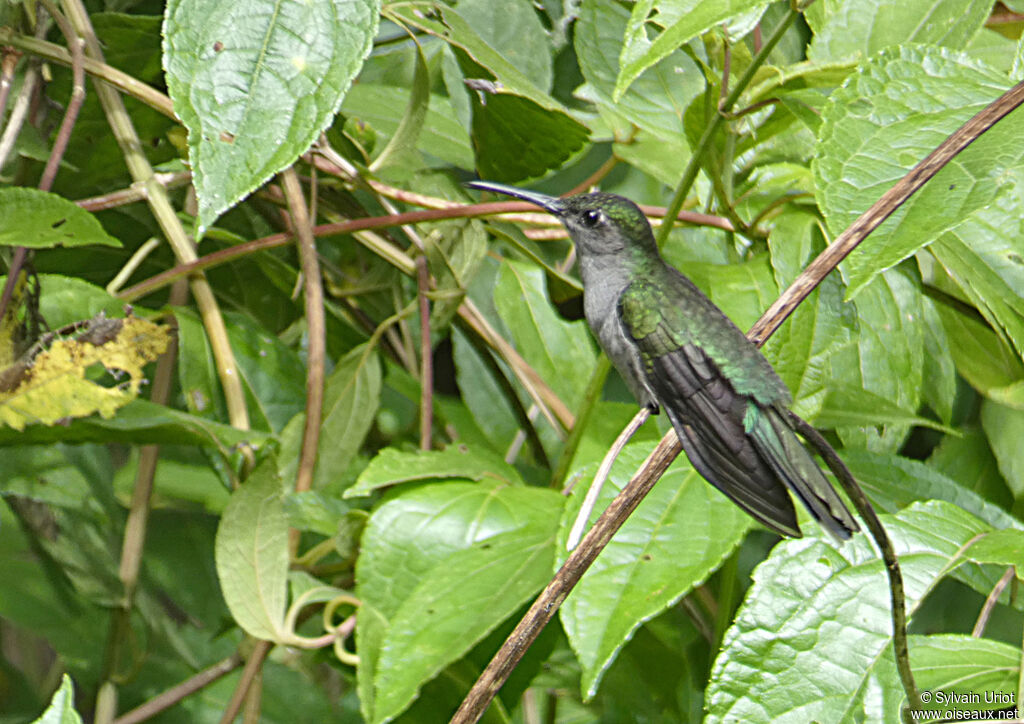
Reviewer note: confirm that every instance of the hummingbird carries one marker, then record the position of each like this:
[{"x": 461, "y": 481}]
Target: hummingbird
[{"x": 677, "y": 351}]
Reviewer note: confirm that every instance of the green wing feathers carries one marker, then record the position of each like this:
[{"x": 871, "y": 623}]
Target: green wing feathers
[{"x": 723, "y": 399}]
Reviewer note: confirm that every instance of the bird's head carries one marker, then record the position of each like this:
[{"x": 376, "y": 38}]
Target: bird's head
[{"x": 599, "y": 223}]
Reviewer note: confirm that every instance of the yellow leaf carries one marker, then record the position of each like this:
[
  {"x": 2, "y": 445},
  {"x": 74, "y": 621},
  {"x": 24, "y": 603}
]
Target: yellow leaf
[{"x": 56, "y": 384}]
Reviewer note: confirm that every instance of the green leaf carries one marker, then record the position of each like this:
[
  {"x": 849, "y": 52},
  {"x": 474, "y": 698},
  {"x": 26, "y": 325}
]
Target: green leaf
[
  {"x": 894, "y": 482},
  {"x": 443, "y": 617},
  {"x": 852, "y": 407},
  {"x": 968, "y": 459},
  {"x": 456, "y": 31},
  {"x": 64, "y": 300},
  {"x": 884, "y": 120},
  {"x": 392, "y": 467},
  {"x": 819, "y": 329},
  {"x": 691, "y": 19},
  {"x": 983, "y": 358},
  {"x": 1003, "y": 547},
  {"x": 657, "y": 99},
  {"x": 252, "y": 554},
  {"x": 985, "y": 256},
  {"x": 939, "y": 383},
  {"x": 956, "y": 664},
  {"x": 273, "y": 376},
  {"x": 808, "y": 641},
  {"x": 39, "y": 220},
  {"x": 888, "y": 357},
  {"x": 516, "y": 139},
  {"x": 409, "y": 129},
  {"x": 313, "y": 511},
  {"x": 462, "y": 554},
  {"x": 562, "y": 352},
  {"x": 442, "y": 134},
  {"x": 1005, "y": 429},
  {"x": 140, "y": 422},
  {"x": 255, "y": 82},
  {"x": 517, "y": 33},
  {"x": 351, "y": 397},
  {"x": 864, "y": 27},
  {"x": 62, "y": 705},
  {"x": 674, "y": 540}
]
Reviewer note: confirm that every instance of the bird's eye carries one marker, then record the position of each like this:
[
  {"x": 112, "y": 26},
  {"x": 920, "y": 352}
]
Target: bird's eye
[{"x": 591, "y": 218}]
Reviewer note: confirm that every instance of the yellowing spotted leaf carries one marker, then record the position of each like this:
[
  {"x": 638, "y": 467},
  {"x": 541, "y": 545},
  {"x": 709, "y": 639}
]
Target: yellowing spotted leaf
[{"x": 99, "y": 370}]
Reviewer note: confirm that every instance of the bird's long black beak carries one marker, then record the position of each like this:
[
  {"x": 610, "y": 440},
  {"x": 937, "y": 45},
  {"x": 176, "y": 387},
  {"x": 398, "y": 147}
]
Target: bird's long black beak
[{"x": 552, "y": 204}]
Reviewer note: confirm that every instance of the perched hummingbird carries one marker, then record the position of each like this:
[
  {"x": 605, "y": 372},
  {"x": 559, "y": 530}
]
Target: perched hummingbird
[{"x": 676, "y": 350}]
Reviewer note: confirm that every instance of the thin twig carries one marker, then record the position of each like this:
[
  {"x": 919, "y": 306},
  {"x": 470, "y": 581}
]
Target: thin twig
[
  {"x": 135, "y": 192},
  {"x": 60, "y": 141},
  {"x": 877, "y": 530},
  {"x": 186, "y": 688},
  {"x": 602, "y": 474},
  {"x": 253, "y": 665},
  {"x": 19, "y": 112},
  {"x": 8, "y": 63},
  {"x": 991, "y": 601},
  {"x": 96, "y": 68},
  {"x": 315, "y": 328},
  {"x": 426, "y": 355}
]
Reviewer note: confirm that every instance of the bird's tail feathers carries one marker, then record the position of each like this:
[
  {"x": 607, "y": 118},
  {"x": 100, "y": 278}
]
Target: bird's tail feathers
[{"x": 788, "y": 457}]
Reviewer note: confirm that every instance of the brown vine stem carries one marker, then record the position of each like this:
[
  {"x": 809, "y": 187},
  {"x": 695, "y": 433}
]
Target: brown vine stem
[{"x": 545, "y": 606}]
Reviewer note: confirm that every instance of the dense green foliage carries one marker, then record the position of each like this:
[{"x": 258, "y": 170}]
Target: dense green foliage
[{"x": 435, "y": 512}]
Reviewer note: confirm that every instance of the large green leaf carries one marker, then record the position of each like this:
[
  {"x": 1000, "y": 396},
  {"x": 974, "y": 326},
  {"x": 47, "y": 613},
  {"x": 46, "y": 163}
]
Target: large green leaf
[
  {"x": 809, "y": 639},
  {"x": 562, "y": 352},
  {"x": 140, "y": 422},
  {"x": 255, "y": 82},
  {"x": 351, "y": 397},
  {"x": 687, "y": 20},
  {"x": 1005, "y": 429},
  {"x": 887, "y": 359},
  {"x": 441, "y": 566},
  {"x": 272, "y": 374},
  {"x": 893, "y": 482},
  {"x": 38, "y": 220},
  {"x": 885, "y": 119},
  {"x": 983, "y": 358},
  {"x": 863, "y": 27},
  {"x": 392, "y": 467},
  {"x": 656, "y": 100},
  {"x": 382, "y": 106},
  {"x": 962, "y": 672},
  {"x": 985, "y": 256},
  {"x": 675, "y": 539},
  {"x": 252, "y": 554}
]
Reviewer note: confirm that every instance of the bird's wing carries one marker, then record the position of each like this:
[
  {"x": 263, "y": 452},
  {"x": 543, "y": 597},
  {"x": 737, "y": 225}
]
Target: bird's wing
[
  {"x": 706, "y": 411},
  {"x": 737, "y": 440}
]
